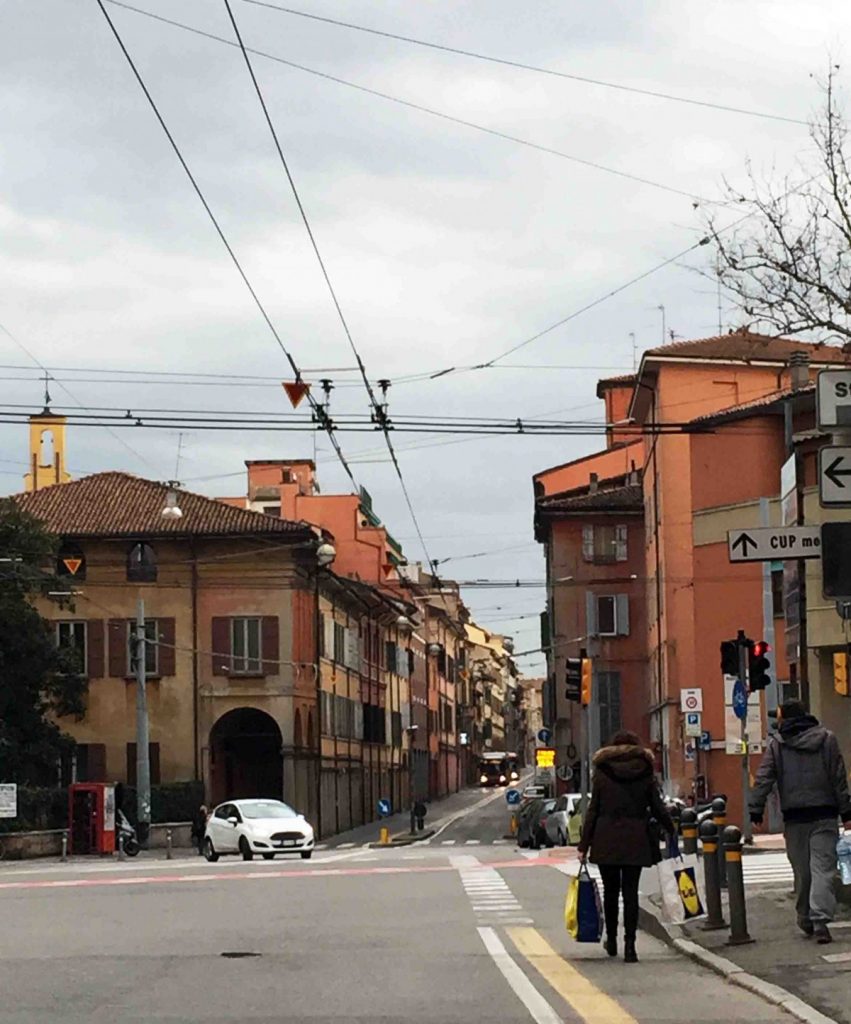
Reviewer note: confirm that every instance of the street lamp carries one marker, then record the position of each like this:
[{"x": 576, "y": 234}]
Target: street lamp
[{"x": 325, "y": 554}]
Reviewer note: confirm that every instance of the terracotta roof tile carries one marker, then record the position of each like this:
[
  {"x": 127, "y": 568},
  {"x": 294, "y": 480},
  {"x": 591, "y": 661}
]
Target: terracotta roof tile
[
  {"x": 776, "y": 398},
  {"x": 628, "y": 498},
  {"x": 121, "y": 505},
  {"x": 746, "y": 345}
]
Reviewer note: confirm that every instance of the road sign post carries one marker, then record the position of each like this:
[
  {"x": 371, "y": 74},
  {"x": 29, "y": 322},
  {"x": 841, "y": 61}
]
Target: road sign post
[{"x": 743, "y": 690}]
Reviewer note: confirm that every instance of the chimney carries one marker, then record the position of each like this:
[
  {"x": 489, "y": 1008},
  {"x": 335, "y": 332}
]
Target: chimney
[
  {"x": 592, "y": 484},
  {"x": 799, "y": 370}
]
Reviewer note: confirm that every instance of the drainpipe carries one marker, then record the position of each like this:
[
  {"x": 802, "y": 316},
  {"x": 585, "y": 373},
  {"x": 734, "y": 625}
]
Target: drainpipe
[
  {"x": 317, "y": 627},
  {"x": 195, "y": 645}
]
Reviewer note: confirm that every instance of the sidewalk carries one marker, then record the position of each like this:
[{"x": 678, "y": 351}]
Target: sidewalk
[{"x": 780, "y": 963}]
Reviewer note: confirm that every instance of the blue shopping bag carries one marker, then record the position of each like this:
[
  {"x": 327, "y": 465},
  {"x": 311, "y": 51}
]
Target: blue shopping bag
[{"x": 583, "y": 911}]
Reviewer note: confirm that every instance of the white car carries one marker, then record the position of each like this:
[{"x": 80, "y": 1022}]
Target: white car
[
  {"x": 564, "y": 822},
  {"x": 266, "y": 827},
  {"x": 533, "y": 793}
]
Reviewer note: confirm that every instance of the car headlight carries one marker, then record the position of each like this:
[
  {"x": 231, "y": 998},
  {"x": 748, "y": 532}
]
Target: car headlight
[
  {"x": 483, "y": 778},
  {"x": 502, "y": 778},
  {"x": 514, "y": 775}
]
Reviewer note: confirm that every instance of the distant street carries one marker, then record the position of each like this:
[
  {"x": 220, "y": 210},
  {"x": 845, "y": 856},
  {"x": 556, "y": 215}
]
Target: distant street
[{"x": 463, "y": 928}]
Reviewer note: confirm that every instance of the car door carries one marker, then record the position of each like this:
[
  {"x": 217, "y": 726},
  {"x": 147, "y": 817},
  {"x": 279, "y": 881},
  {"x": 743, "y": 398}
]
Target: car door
[
  {"x": 233, "y": 831},
  {"x": 215, "y": 826}
]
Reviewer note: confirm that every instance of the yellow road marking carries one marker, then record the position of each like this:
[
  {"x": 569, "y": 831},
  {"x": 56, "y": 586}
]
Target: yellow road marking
[{"x": 592, "y": 1004}]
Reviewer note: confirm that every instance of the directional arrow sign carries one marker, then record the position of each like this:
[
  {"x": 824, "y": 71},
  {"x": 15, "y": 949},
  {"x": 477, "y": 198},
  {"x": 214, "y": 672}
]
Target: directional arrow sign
[
  {"x": 834, "y": 477},
  {"x": 773, "y": 543}
]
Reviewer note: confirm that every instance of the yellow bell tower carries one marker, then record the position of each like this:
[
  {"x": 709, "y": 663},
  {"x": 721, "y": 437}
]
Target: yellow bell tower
[{"x": 47, "y": 451}]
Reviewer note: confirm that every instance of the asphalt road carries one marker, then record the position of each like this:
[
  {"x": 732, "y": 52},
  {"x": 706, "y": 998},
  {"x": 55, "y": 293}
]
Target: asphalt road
[{"x": 469, "y": 930}]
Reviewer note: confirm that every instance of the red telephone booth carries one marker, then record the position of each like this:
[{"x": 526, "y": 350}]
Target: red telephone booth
[{"x": 91, "y": 817}]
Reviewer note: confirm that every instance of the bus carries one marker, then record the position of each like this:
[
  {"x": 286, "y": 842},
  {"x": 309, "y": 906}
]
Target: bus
[{"x": 498, "y": 768}]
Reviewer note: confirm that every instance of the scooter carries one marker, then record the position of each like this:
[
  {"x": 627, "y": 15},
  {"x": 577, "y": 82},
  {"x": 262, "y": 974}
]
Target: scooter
[{"x": 126, "y": 835}]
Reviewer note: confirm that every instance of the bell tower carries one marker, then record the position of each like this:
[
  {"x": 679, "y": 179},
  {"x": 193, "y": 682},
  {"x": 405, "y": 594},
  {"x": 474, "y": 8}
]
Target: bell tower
[{"x": 47, "y": 449}]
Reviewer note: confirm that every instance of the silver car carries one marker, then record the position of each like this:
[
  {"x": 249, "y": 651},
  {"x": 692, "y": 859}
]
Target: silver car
[{"x": 564, "y": 822}]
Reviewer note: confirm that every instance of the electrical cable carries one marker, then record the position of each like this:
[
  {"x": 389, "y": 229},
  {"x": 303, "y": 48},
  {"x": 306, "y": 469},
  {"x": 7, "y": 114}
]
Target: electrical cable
[
  {"x": 322, "y": 417},
  {"x": 528, "y": 67},
  {"x": 423, "y": 109}
]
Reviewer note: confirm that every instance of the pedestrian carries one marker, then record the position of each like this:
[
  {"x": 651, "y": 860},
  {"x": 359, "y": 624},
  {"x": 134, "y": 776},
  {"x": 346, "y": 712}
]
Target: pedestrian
[
  {"x": 804, "y": 761},
  {"x": 620, "y": 826},
  {"x": 199, "y": 827}
]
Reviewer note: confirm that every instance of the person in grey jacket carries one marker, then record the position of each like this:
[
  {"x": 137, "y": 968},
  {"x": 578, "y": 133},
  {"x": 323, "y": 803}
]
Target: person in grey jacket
[{"x": 804, "y": 761}]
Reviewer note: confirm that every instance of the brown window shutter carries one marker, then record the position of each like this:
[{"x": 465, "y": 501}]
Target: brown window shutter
[
  {"x": 96, "y": 768},
  {"x": 166, "y": 652},
  {"x": 270, "y": 645},
  {"x": 154, "y": 757},
  {"x": 94, "y": 649},
  {"x": 118, "y": 648},
  {"x": 221, "y": 646},
  {"x": 131, "y": 764}
]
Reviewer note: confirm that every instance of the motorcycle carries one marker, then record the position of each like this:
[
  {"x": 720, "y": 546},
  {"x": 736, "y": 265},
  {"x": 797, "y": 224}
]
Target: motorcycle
[{"x": 126, "y": 835}]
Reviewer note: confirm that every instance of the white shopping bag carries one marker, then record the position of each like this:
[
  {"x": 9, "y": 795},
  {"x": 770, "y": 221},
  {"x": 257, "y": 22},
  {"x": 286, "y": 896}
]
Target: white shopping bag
[{"x": 682, "y": 887}]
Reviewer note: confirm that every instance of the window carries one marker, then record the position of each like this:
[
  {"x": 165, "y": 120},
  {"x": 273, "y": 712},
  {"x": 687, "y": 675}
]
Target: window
[
  {"x": 608, "y": 703},
  {"x": 245, "y": 646},
  {"x": 71, "y": 562},
  {"x": 152, "y": 649},
  {"x": 606, "y": 614},
  {"x": 153, "y": 763},
  {"x": 389, "y": 656},
  {"x": 90, "y": 761},
  {"x": 777, "y": 591},
  {"x": 601, "y": 544},
  {"x": 142, "y": 564},
  {"x": 272, "y": 510},
  {"x": 71, "y": 638},
  {"x": 339, "y": 643}
]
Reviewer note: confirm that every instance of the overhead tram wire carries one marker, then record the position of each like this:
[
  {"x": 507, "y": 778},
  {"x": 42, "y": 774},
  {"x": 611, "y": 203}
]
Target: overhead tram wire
[
  {"x": 379, "y": 411},
  {"x": 411, "y": 105},
  {"x": 528, "y": 67},
  {"x": 317, "y": 410}
]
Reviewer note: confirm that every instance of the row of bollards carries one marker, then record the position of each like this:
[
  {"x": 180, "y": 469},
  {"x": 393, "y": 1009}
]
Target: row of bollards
[{"x": 722, "y": 868}]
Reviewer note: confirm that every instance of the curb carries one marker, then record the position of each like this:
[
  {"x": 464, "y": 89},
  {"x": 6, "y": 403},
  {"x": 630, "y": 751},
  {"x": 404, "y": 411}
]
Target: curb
[{"x": 674, "y": 936}]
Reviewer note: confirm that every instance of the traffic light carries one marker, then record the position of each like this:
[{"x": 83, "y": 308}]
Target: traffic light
[
  {"x": 573, "y": 679},
  {"x": 730, "y": 658},
  {"x": 758, "y": 665},
  {"x": 587, "y": 675},
  {"x": 840, "y": 673}
]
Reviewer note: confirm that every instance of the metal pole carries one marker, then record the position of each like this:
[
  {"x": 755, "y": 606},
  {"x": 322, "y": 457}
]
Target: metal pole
[
  {"x": 168, "y": 844},
  {"x": 143, "y": 763},
  {"x": 584, "y": 766},
  {"x": 746, "y": 766},
  {"x": 714, "y": 914},
  {"x": 121, "y": 846},
  {"x": 64, "y": 855},
  {"x": 736, "y": 887},
  {"x": 411, "y": 735},
  {"x": 688, "y": 827},
  {"x": 719, "y": 819}
]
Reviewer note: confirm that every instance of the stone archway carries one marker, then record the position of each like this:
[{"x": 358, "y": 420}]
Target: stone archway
[{"x": 245, "y": 756}]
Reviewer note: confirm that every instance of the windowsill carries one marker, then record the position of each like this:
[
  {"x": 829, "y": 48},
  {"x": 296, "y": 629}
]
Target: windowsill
[{"x": 246, "y": 675}]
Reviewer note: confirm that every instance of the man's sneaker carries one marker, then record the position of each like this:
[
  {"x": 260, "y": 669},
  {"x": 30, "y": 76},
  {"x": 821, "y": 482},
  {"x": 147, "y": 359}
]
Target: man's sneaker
[
  {"x": 822, "y": 934},
  {"x": 806, "y": 926}
]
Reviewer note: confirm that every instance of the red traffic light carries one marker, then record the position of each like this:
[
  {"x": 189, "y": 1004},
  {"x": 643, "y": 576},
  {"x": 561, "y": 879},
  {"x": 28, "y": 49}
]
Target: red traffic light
[{"x": 761, "y": 648}]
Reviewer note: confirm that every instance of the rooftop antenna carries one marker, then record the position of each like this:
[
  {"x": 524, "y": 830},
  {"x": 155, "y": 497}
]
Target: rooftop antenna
[
  {"x": 634, "y": 351},
  {"x": 718, "y": 283},
  {"x": 661, "y": 309},
  {"x": 177, "y": 461}
]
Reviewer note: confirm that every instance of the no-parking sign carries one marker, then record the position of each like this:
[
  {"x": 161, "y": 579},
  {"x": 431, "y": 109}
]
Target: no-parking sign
[{"x": 691, "y": 699}]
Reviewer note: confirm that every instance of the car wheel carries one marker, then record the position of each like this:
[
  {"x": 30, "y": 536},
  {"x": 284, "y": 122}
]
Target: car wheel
[
  {"x": 562, "y": 839},
  {"x": 306, "y": 854},
  {"x": 210, "y": 850},
  {"x": 268, "y": 856},
  {"x": 245, "y": 849}
]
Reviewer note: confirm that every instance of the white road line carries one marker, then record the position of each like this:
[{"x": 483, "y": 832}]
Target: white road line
[
  {"x": 538, "y": 1007},
  {"x": 837, "y": 958},
  {"x": 472, "y": 842},
  {"x": 346, "y": 846},
  {"x": 447, "y": 842}
]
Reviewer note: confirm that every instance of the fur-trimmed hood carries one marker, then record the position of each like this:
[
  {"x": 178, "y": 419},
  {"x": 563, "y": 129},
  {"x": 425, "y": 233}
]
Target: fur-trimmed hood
[{"x": 624, "y": 762}]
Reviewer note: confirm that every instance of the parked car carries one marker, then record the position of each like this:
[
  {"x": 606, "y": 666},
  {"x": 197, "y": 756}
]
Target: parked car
[
  {"x": 532, "y": 830},
  {"x": 564, "y": 823},
  {"x": 267, "y": 827},
  {"x": 533, "y": 793}
]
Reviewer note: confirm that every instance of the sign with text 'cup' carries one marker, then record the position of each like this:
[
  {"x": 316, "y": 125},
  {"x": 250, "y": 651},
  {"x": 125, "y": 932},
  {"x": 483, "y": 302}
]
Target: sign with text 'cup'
[{"x": 773, "y": 543}]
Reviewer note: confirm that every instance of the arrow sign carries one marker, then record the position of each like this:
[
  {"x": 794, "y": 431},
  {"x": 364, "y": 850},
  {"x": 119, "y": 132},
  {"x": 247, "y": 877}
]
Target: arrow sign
[
  {"x": 740, "y": 699},
  {"x": 770, "y": 543},
  {"x": 834, "y": 472}
]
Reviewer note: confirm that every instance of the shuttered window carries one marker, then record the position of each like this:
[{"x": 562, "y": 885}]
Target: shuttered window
[
  {"x": 71, "y": 639},
  {"x": 90, "y": 760},
  {"x": 153, "y": 760},
  {"x": 604, "y": 544},
  {"x": 245, "y": 645},
  {"x": 608, "y": 703}
]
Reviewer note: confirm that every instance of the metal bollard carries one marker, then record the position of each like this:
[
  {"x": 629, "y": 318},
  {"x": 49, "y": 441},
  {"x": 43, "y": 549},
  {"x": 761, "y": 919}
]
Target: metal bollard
[
  {"x": 64, "y": 855},
  {"x": 719, "y": 816},
  {"x": 121, "y": 855},
  {"x": 168, "y": 844},
  {"x": 736, "y": 887},
  {"x": 714, "y": 914},
  {"x": 688, "y": 828}
]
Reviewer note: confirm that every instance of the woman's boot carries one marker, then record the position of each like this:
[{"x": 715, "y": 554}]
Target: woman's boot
[
  {"x": 612, "y": 943},
  {"x": 629, "y": 954}
]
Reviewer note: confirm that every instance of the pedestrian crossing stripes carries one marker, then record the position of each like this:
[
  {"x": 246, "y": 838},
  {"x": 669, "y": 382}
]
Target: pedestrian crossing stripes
[
  {"x": 491, "y": 899},
  {"x": 767, "y": 869}
]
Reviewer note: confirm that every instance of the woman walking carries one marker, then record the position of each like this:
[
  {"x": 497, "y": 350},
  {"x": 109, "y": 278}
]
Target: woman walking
[{"x": 619, "y": 832}]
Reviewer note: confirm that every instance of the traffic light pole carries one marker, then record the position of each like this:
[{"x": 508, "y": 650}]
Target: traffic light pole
[
  {"x": 584, "y": 758},
  {"x": 746, "y": 768}
]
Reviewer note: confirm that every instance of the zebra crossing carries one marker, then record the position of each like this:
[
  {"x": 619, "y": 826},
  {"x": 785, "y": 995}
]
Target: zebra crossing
[
  {"x": 767, "y": 869},
  {"x": 425, "y": 842},
  {"x": 492, "y": 901}
]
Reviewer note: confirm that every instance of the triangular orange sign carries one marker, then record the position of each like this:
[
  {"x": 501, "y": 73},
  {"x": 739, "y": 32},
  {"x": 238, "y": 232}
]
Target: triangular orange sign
[
  {"x": 72, "y": 565},
  {"x": 296, "y": 390}
]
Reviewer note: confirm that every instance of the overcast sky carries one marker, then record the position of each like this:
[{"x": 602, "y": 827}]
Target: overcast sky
[{"x": 446, "y": 245}]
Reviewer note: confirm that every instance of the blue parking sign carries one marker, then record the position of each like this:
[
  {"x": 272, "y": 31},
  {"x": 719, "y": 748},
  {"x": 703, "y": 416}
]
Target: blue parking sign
[
  {"x": 512, "y": 796},
  {"x": 384, "y": 809}
]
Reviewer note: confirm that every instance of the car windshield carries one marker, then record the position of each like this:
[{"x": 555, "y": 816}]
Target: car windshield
[{"x": 266, "y": 809}]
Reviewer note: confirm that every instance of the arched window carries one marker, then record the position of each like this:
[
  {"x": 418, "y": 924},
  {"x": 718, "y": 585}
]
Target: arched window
[
  {"x": 71, "y": 562},
  {"x": 142, "y": 564}
]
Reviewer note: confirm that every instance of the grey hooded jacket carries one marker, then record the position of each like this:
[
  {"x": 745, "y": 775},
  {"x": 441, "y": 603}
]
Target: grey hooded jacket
[{"x": 806, "y": 765}]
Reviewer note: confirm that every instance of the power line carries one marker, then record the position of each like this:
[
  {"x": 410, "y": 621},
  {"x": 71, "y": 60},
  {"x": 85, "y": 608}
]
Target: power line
[
  {"x": 379, "y": 411},
  {"x": 421, "y": 108},
  {"x": 530, "y": 67},
  {"x": 318, "y": 411}
]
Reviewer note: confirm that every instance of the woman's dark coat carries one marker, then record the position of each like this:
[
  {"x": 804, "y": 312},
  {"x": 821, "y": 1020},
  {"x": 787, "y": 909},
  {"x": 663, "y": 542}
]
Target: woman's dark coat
[{"x": 624, "y": 797}]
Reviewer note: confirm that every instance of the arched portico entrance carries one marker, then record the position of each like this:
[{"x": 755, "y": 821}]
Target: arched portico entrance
[{"x": 245, "y": 756}]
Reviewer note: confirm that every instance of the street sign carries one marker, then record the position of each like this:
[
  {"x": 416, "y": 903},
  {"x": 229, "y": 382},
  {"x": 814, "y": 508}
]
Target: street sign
[
  {"x": 8, "y": 800},
  {"x": 834, "y": 399},
  {"x": 690, "y": 751},
  {"x": 564, "y": 772},
  {"x": 384, "y": 809},
  {"x": 773, "y": 543},
  {"x": 740, "y": 699},
  {"x": 836, "y": 562},
  {"x": 544, "y": 736},
  {"x": 691, "y": 699},
  {"x": 705, "y": 740},
  {"x": 693, "y": 729},
  {"x": 512, "y": 797},
  {"x": 545, "y": 757},
  {"x": 834, "y": 477}
]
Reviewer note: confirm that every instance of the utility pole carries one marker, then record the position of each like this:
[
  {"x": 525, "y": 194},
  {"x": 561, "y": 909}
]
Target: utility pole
[
  {"x": 143, "y": 762},
  {"x": 741, "y": 642},
  {"x": 584, "y": 762}
]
